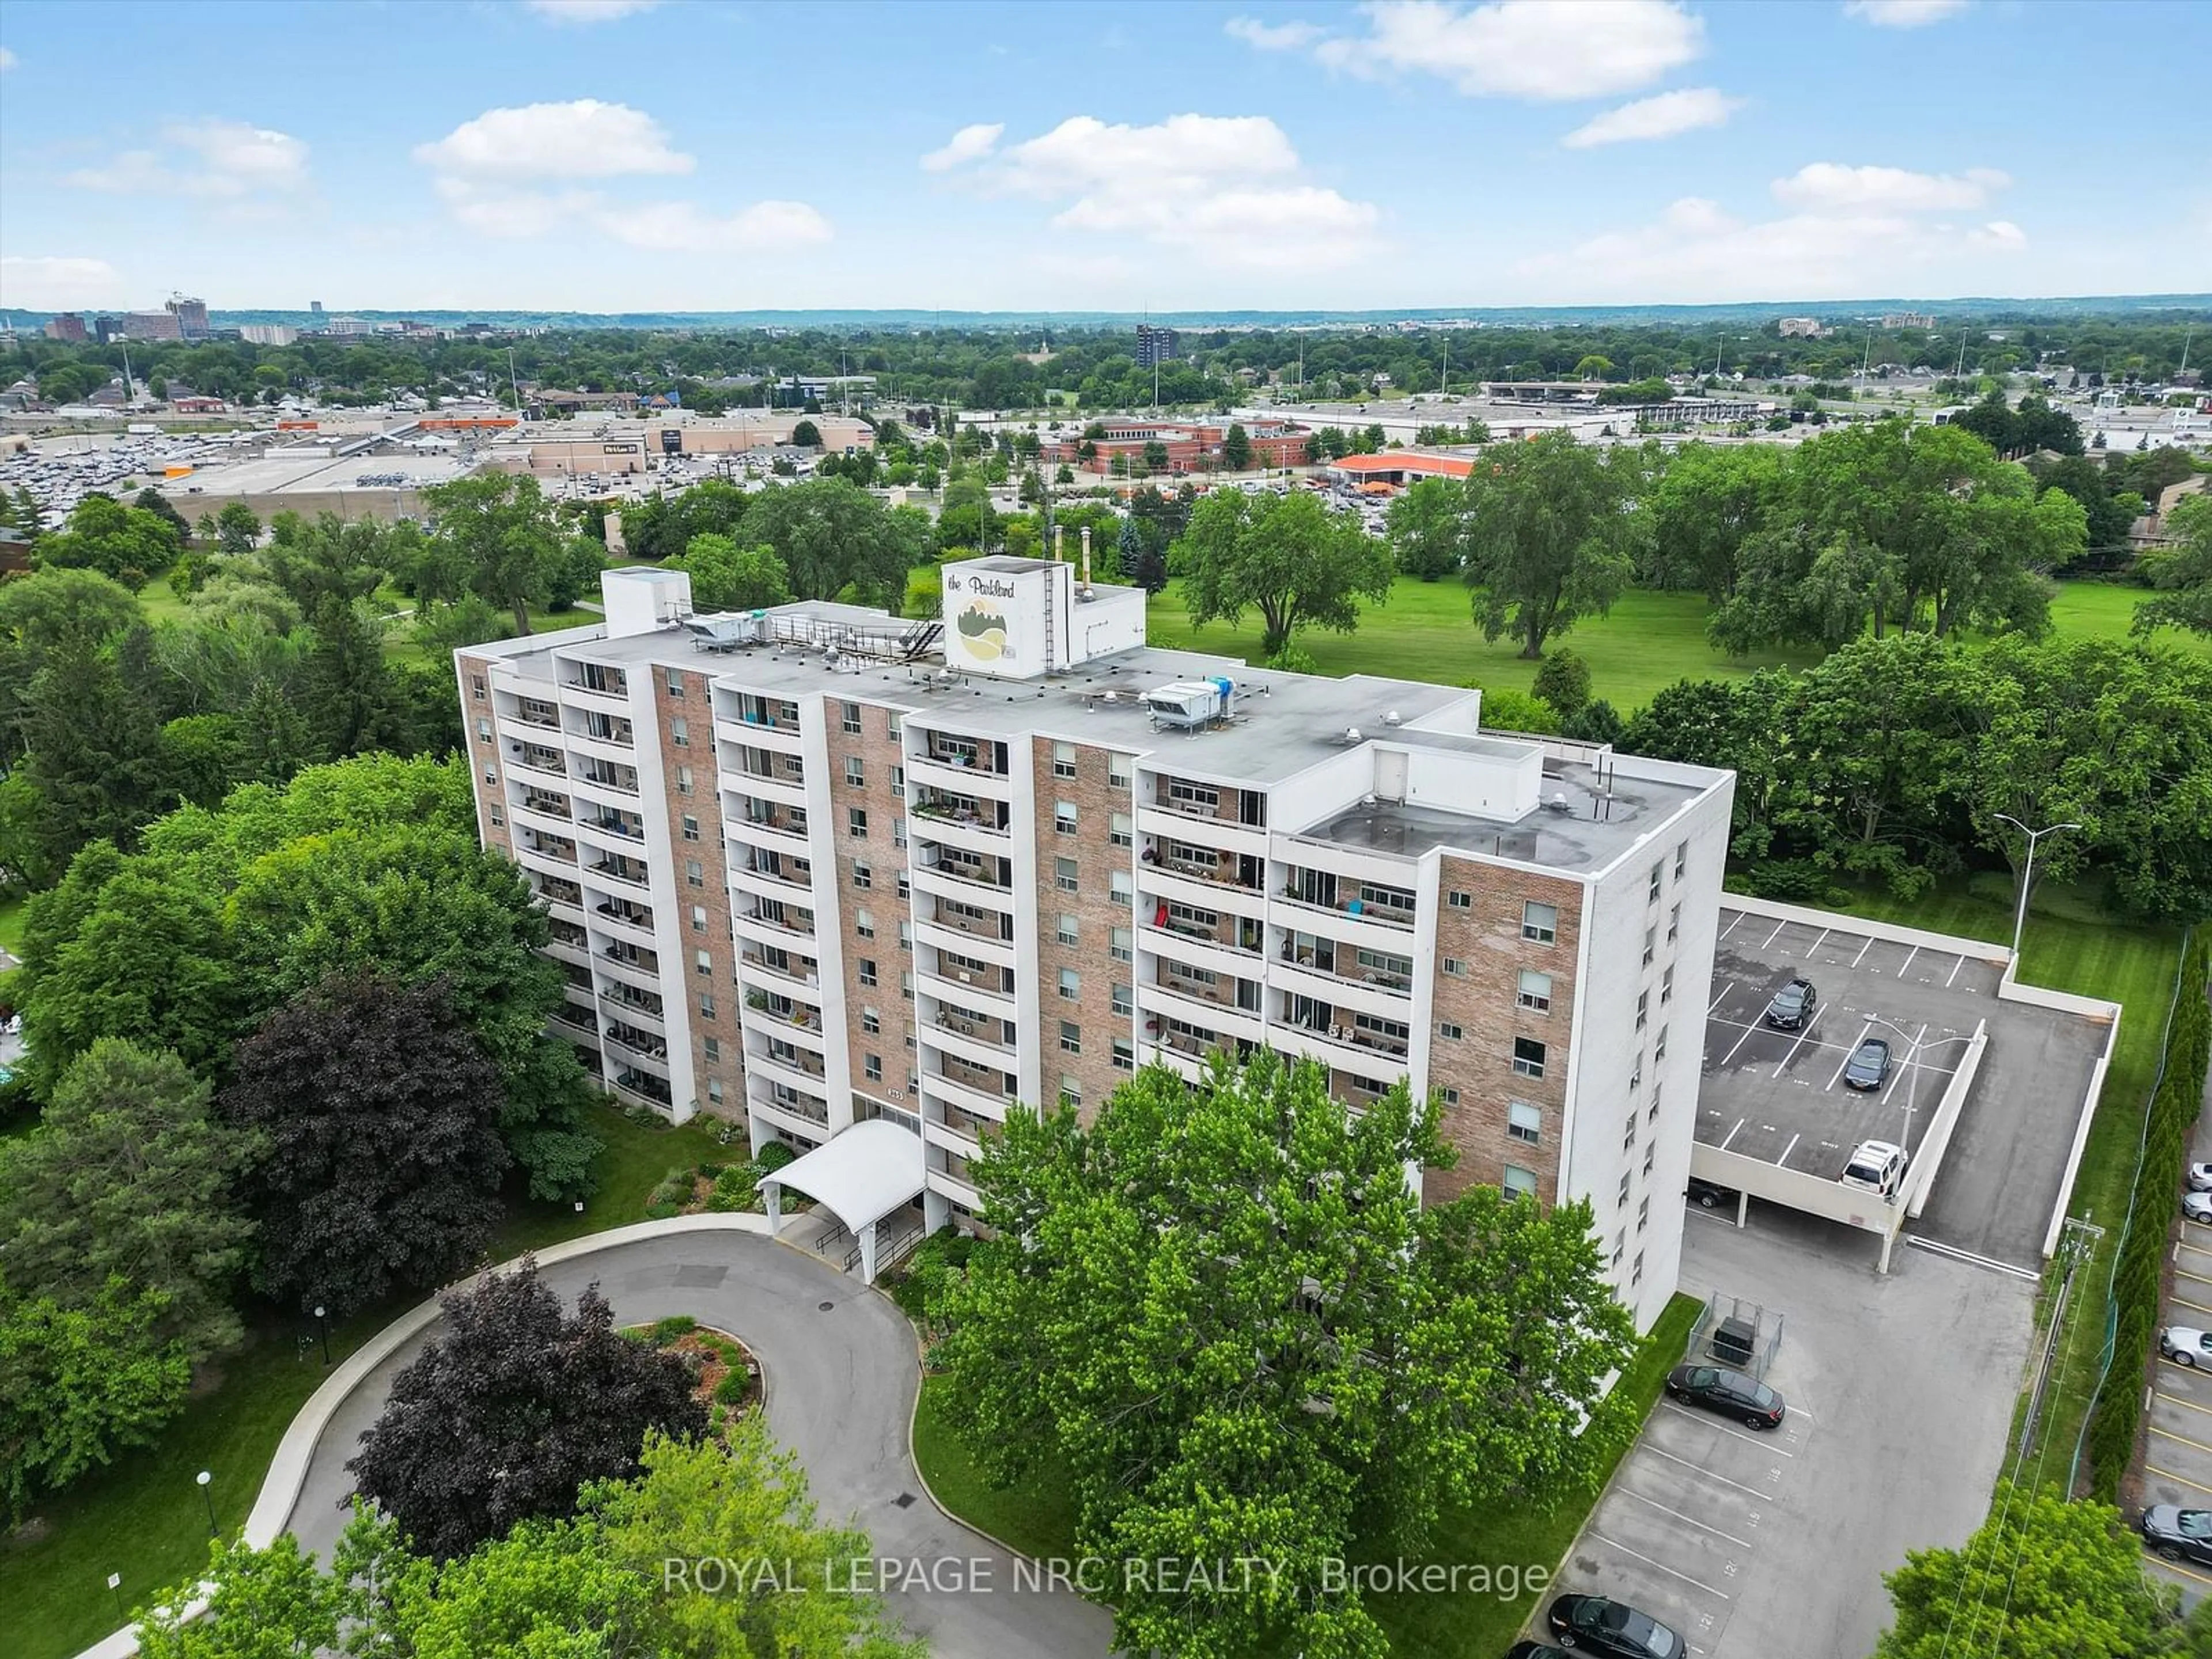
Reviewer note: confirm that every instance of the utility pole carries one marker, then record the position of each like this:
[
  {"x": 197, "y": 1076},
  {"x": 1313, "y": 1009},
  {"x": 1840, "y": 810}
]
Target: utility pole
[{"x": 2028, "y": 876}]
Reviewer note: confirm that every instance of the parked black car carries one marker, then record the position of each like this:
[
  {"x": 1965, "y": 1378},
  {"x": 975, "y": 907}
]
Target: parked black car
[
  {"x": 1611, "y": 1628},
  {"x": 1535, "y": 1650},
  {"x": 1793, "y": 1005},
  {"x": 1710, "y": 1194},
  {"x": 1868, "y": 1065},
  {"x": 1729, "y": 1392},
  {"x": 2178, "y": 1535}
]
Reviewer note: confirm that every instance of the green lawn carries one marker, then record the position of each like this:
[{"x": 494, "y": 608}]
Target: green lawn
[
  {"x": 1039, "y": 1519},
  {"x": 2070, "y": 944},
  {"x": 143, "y": 1517},
  {"x": 1648, "y": 641},
  {"x": 12, "y": 924}
]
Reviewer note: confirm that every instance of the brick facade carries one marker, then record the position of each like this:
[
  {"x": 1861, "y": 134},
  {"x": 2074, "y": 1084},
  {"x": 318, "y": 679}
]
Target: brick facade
[
  {"x": 682, "y": 981},
  {"x": 1483, "y": 1001},
  {"x": 486, "y": 755},
  {"x": 879, "y": 754},
  {"x": 1096, "y": 914}
]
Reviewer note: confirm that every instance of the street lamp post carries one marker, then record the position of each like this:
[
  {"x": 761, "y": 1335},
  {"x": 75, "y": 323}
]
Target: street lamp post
[
  {"x": 203, "y": 1477},
  {"x": 322, "y": 1318},
  {"x": 2028, "y": 876}
]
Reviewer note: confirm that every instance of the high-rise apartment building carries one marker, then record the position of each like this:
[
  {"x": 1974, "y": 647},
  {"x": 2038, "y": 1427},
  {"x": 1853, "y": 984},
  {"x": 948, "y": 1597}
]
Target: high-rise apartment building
[
  {"x": 192, "y": 316},
  {"x": 1154, "y": 345},
  {"x": 69, "y": 326},
  {"x": 819, "y": 867}
]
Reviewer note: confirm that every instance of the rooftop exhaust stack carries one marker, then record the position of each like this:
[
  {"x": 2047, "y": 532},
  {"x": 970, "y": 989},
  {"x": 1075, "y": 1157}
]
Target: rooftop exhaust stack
[{"x": 1086, "y": 556}]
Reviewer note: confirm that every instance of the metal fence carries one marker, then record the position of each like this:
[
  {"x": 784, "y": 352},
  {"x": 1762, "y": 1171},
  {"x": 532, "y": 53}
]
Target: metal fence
[{"x": 1764, "y": 1325}]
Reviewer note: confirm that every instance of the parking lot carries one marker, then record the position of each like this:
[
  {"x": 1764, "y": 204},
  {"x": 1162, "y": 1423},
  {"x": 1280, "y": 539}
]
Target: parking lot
[
  {"x": 1759, "y": 1545},
  {"x": 2177, "y": 1437},
  {"x": 1779, "y": 1096}
]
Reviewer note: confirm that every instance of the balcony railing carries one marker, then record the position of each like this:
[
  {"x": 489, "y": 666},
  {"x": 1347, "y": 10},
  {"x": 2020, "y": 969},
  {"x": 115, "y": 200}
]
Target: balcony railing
[
  {"x": 799, "y": 1106},
  {"x": 629, "y": 916},
  {"x": 600, "y": 681},
  {"x": 643, "y": 1088},
  {"x": 643, "y": 1002},
  {"x": 1353, "y": 1036},
  {"x": 643, "y": 962},
  {"x": 793, "y": 823},
  {"x": 615, "y": 823},
  {"x": 531, "y": 712},
  {"x": 802, "y": 969},
  {"x": 556, "y": 891},
  {"x": 979, "y": 755},
  {"x": 553, "y": 806},
  {"x": 965, "y": 810},
  {"x": 1342, "y": 965},
  {"x": 621, "y": 870},
  {"x": 991, "y": 1033},
  {"x": 637, "y": 1043},
  {"x": 622, "y": 780}
]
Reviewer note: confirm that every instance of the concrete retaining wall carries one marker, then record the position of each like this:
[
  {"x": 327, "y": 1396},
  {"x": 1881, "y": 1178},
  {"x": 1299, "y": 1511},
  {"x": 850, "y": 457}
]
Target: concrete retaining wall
[
  {"x": 288, "y": 1470},
  {"x": 1843, "y": 922},
  {"x": 1921, "y": 1180}
]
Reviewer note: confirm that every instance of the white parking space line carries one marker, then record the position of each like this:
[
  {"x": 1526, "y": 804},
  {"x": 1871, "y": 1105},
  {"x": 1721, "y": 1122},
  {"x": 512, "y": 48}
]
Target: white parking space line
[
  {"x": 1776, "y": 934},
  {"x": 1955, "y": 966},
  {"x": 1815, "y": 945},
  {"x": 1907, "y": 963},
  {"x": 1864, "y": 948},
  {"x": 2164, "y": 1566},
  {"x": 1802, "y": 1034},
  {"x": 1661, "y": 1565},
  {"x": 1748, "y": 1492},
  {"x": 1784, "y": 1160},
  {"x": 1713, "y": 1007},
  {"x": 1908, "y": 1065},
  {"x": 1732, "y": 1133},
  {"x": 2176, "y": 1400},
  {"x": 1742, "y": 1543},
  {"x": 1846, "y": 1060},
  {"x": 1733, "y": 920},
  {"x": 1765, "y": 1443},
  {"x": 2168, "y": 1474},
  {"x": 2184, "y": 1302},
  {"x": 1739, "y": 1041}
]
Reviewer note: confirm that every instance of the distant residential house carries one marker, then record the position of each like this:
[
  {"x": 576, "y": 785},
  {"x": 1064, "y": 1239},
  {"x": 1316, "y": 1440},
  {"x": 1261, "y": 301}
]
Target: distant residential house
[{"x": 2151, "y": 529}]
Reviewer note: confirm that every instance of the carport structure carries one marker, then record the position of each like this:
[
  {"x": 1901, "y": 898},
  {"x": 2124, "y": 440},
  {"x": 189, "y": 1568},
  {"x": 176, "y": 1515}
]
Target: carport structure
[
  {"x": 1993, "y": 1084},
  {"x": 860, "y": 1175}
]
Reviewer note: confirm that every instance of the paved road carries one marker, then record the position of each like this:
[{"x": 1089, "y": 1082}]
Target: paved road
[{"x": 841, "y": 1391}]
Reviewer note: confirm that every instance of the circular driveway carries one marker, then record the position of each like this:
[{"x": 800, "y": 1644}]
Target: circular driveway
[{"x": 840, "y": 1393}]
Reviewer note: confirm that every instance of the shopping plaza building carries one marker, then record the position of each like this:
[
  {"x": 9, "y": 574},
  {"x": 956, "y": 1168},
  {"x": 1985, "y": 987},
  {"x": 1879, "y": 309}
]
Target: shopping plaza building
[{"x": 861, "y": 884}]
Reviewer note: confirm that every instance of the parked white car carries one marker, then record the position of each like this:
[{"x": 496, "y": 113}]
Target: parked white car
[{"x": 1877, "y": 1165}]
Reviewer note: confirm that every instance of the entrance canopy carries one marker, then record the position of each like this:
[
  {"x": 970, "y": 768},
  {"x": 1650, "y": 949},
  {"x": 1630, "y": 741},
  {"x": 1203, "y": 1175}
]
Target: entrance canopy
[{"x": 861, "y": 1175}]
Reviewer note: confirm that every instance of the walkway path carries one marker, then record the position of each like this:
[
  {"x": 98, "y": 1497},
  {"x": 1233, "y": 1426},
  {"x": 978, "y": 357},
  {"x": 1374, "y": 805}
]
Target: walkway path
[{"x": 840, "y": 1389}]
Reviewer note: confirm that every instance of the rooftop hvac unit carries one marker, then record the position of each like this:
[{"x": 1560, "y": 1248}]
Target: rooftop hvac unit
[{"x": 1190, "y": 703}]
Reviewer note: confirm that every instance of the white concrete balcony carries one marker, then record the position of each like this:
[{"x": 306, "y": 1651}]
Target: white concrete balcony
[
  {"x": 575, "y": 952},
  {"x": 530, "y": 765},
  {"x": 1190, "y": 886},
  {"x": 619, "y": 872},
  {"x": 808, "y": 1119},
  {"x": 957, "y": 1040},
  {"x": 797, "y": 980},
  {"x": 633, "y": 1011},
  {"x": 951, "y": 1137},
  {"x": 987, "y": 993},
  {"x": 610, "y": 695},
  {"x": 611, "y": 831},
  {"x": 611, "y": 750},
  {"x": 604, "y": 787},
  {"x": 1194, "y": 950},
  {"x": 781, "y": 736},
  {"x": 1375, "y": 930},
  {"x": 544, "y": 859},
  {"x": 1165, "y": 1002},
  {"x": 541, "y": 817},
  {"x": 798, "y": 1069},
  {"x": 1340, "y": 991},
  {"x": 952, "y": 1187},
  {"x": 924, "y": 771},
  {"x": 1223, "y": 835},
  {"x": 635, "y": 1046},
  {"x": 940, "y": 936},
  {"x": 968, "y": 1097},
  {"x": 791, "y": 933},
  {"x": 1340, "y": 1045},
  {"x": 944, "y": 880},
  {"x": 969, "y": 836},
  {"x": 778, "y": 787},
  {"x": 608, "y": 917},
  {"x": 781, "y": 829},
  {"x": 643, "y": 973},
  {"x": 801, "y": 1024}
]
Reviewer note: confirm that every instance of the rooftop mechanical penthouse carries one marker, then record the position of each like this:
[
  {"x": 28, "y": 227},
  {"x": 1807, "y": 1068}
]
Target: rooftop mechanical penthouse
[{"x": 821, "y": 868}]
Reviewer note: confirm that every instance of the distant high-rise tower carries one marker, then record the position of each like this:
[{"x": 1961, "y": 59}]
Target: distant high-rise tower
[
  {"x": 192, "y": 316},
  {"x": 1155, "y": 346}
]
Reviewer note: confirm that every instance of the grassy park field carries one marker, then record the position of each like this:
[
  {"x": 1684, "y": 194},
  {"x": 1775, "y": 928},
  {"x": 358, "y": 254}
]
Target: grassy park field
[{"x": 1648, "y": 641}]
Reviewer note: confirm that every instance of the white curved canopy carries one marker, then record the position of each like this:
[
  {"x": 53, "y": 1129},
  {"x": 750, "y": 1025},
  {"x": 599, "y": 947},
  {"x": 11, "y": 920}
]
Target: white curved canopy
[{"x": 861, "y": 1175}]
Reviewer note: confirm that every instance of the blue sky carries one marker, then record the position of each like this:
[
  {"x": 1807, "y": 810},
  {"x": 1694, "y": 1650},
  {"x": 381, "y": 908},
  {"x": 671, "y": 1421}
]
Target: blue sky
[{"x": 616, "y": 155}]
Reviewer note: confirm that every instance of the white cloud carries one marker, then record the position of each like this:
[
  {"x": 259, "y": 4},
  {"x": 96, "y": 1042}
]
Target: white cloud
[
  {"x": 46, "y": 284},
  {"x": 583, "y": 139},
  {"x": 1227, "y": 188},
  {"x": 681, "y": 227},
  {"x": 1662, "y": 117},
  {"x": 1998, "y": 233},
  {"x": 971, "y": 143},
  {"x": 1825, "y": 185},
  {"x": 588, "y": 11},
  {"x": 1273, "y": 37},
  {"x": 7, "y": 59},
  {"x": 1533, "y": 49},
  {"x": 212, "y": 158},
  {"x": 1903, "y": 14}
]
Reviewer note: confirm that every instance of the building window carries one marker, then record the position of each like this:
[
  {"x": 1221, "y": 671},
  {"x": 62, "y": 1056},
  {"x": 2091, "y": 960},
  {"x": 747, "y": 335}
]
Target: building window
[
  {"x": 851, "y": 722},
  {"x": 675, "y": 682},
  {"x": 863, "y": 923},
  {"x": 679, "y": 732},
  {"x": 1637, "y": 1276},
  {"x": 868, "y": 971},
  {"x": 1446, "y": 1029},
  {"x": 1650, "y": 1157},
  {"x": 1125, "y": 1054},
  {"x": 1063, "y": 760},
  {"x": 710, "y": 1050},
  {"x": 1068, "y": 929},
  {"x": 491, "y": 775},
  {"x": 1455, "y": 966},
  {"x": 856, "y": 821},
  {"x": 1063, "y": 816},
  {"x": 706, "y": 1004},
  {"x": 1651, "y": 945},
  {"x": 1121, "y": 771},
  {"x": 1122, "y": 831},
  {"x": 1674, "y": 923},
  {"x": 714, "y": 1090},
  {"x": 1620, "y": 1248},
  {"x": 1628, "y": 1134},
  {"x": 1519, "y": 1182},
  {"x": 1459, "y": 900},
  {"x": 1525, "y": 1122},
  {"x": 898, "y": 832},
  {"x": 898, "y": 783},
  {"x": 1527, "y": 1057},
  {"x": 1643, "y": 1008},
  {"x": 682, "y": 780},
  {"x": 1063, "y": 875},
  {"x": 1626, "y": 1178},
  {"x": 690, "y": 827},
  {"x": 1658, "y": 871},
  {"x": 1636, "y": 1073},
  {"x": 1071, "y": 984},
  {"x": 483, "y": 731},
  {"x": 1120, "y": 888},
  {"x": 1682, "y": 858},
  {"x": 1659, "y": 1048},
  {"x": 864, "y": 876},
  {"x": 695, "y": 873},
  {"x": 1125, "y": 999},
  {"x": 477, "y": 687},
  {"x": 1071, "y": 1090},
  {"x": 871, "y": 1020},
  {"x": 1539, "y": 923},
  {"x": 1535, "y": 991},
  {"x": 701, "y": 963},
  {"x": 1667, "y": 985},
  {"x": 856, "y": 774},
  {"x": 871, "y": 1067},
  {"x": 698, "y": 918},
  {"x": 894, "y": 725},
  {"x": 906, "y": 985},
  {"x": 1449, "y": 1097},
  {"x": 905, "y": 889},
  {"x": 1122, "y": 944},
  {"x": 498, "y": 819},
  {"x": 1071, "y": 1037}
]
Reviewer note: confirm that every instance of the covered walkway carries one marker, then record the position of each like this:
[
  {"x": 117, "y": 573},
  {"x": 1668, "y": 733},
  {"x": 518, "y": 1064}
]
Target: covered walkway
[{"x": 868, "y": 1173}]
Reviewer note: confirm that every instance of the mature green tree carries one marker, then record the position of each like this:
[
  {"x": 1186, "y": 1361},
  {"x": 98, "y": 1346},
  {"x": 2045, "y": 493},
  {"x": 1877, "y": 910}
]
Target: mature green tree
[
  {"x": 2043, "y": 1576},
  {"x": 727, "y": 577},
  {"x": 78, "y": 1384},
  {"x": 268, "y": 1603},
  {"x": 49, "y": 611},
  {"x": 513, "y": 1409},
  {"x": 967, "y": 518},
  {"x": 807, "y": 435},
  {"x": 375, "y": 1111},
  {"x": 1227, "y": 1314},
  {"x": 151, "y": 500},
  {"x": 237, "y": 530},
  {"x": 1549, "y": 537},
  {"x": 1236, "y": 448},
  {"x": 573, "y": 573},
  {"x": 469, "y": 620},
  {"x": 1155, "y": 456},
  {"x": 126, "y": 542},
  {"x": 1564, "y": 681},
  {"x": 1703, "y": 505},
  {"x": 2182, "y": 573},
  {"x": 500, "y": 534},
  {"x": 1288, "y": 558},
  {"x": 128, "y": 1176},
  {"x": 95, "y": 755},
  {"x": 312, "y": 560},
  {"x": 345, "y": 690},
  {"x": 1427, "y": 530},
  {"x": 831, "y": 534},
  {"x": 203, "y": 758}
]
